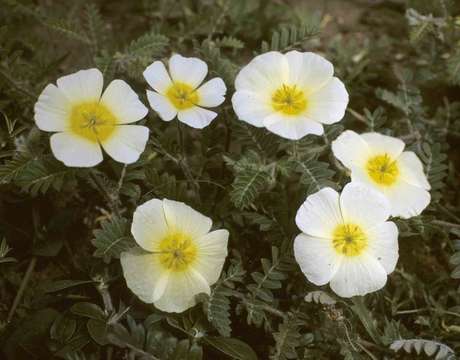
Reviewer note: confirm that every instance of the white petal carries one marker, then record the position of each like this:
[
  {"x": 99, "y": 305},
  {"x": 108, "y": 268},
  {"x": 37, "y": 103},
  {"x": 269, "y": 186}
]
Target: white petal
[
  {"x": 191, "y": 71},
  {"x": 411, "y": 170},
  {"x": 75, "y": 151},
  {"x": 317, "y": 258},
  {"x": 308, "y": 70},
  {"x": 351, "y": 149},
  {"x": 157, "y": 77},
  {"x": 123, "y": 102},
  {"x": 212, "y": 93},
  {"x": 358, "y": 275},
  {"x": 251, "y": 107},
  {"x": 212, "y": 251},
  {"x": 328, "y": 104},
  {"x": 407, "y": 200},
  {"x": 52, "y": 110},
  {"x": 142, "y": 272},
  {"x": 293, "y": 128},
  {"x": 264, "y": 74},
  {"x": 183, "y": 218},
  {"x": 380, "y": 144},
  {"x": 179, "y": 294},
  {"x": 383, "y": 245},
  {"x": 84, "y": 85},
  {"x": 126, "y": 143},
  {"x": 149, "y": 225},
  {"x": 161, "y": 105},
  {"x": 363, "y": 205},
  {"x": 196, "y": 117},
  {"x": 320, "y": 213}
]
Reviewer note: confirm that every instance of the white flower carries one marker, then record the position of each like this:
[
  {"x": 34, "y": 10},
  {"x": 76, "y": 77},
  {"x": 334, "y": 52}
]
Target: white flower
[
  {"x": 179, "y": 258},
  {"x": 346, "y": 240},
  {"x": 181, "y": 94},
  {"x": 84, "y": 120},
  {"x": 291, "y": 95},
  {"x": 379, "y": 161}
]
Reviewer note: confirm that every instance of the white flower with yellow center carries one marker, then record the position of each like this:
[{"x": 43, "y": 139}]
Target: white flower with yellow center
[
  {"x": 178, "y": 259},
  {"x": 380, "y": 162},
  {"x": 346, "y": 240},
  {"x": 84, "y": 120},
  {"x": 179, "y": 93},
  {"x": 292, "y": 95}
]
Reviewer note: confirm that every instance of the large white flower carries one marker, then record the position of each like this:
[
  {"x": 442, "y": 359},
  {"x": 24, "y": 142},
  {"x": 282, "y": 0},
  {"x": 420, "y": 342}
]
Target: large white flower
[
  {"x": 291, "y": 95},
  {"x": 84, "y": 120},
  {"x": 379, "y": 161},
  {"x": 346, "y": 240},
  {"x": 179, "y": 92},
  {"x": 179, "y": 258}
]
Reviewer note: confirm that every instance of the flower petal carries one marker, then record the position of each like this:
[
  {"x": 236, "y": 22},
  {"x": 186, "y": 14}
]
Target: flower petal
[
  {"x": 182, "y": 217},
  {"x": 127, "y": 143},
  {"x": 407, "y": 200},
  {"x": 149, "y": 225},
  {"x": 383, "y": 245},
  {"x": 52, "y": 110},
  {"x": 180, "y": 291},
  {"x": 75, "y": 151},
  {"x": 84, "y": 85},
  {"x": 328, "y": 104},
  {"x": 157, "y": 77},
  {"x": 317, "y": 258},
  {"x": 196, "y": 117},
  {"x": 351, "y": 149},
  {"x": 212, "y": 93},
  {"x": 212, "y": 251},
  {"x": 358, "y": 275},
  {"x": 161, "y": 105},
  {"x": 251, "y": 107},
  {"x": 320, "y": 213},
  {"x": 411, "y": 170},
  {"x": 142, "y": 272},
  {"x": 189, "y": 70},
  {"x": 123, "y": 102},
  {"x": 363, "y": 205},
  {"x": 293, "y": 128},
  {"x": 309, "y": 70},
  {"x": 381, "y": 144}
]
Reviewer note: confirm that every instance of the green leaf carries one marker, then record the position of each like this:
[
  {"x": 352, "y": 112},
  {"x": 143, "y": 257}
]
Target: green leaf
[
  {"x": 112, "y": 239},
  {"x": 59, "y": 285},
  {"x": 63, "y": 328},
  {"x": 89, "y": 310},
  {"x": 234, "y": 348},
  {"x": 98, "y": 331}
]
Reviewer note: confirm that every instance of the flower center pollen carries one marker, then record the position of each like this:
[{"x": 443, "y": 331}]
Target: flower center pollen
[
  {"x": 289, "y": 100},
  {"x": 177, "y": 252},
  {"x": 182, "y": 95},
  {"x": 382, "y": 169},
  {"x": 349, "y": 240},
  {"x": 92, "y": 121}
]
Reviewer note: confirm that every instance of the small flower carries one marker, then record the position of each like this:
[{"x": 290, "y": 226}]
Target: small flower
[
  {"x": 181, "y": 94},
  {"x": 179, "y": 258},
  {"x": 291, "y": 95},
  {"x": 346, "y": 240},
  {"x": 379, "y": 161},
  {"x": 84, "y": 120}
]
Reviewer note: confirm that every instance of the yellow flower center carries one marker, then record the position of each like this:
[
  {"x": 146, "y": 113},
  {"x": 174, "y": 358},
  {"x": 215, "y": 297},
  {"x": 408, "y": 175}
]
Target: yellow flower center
[
  {"x": 177, "y": 252},
  {"x": 182, "y": 95},
  {"x": 92, "y": 121},
  {"x": 289, "y": 100},
  {"x": 349, "y": 240},
  {"x": 383, "y": 169}
]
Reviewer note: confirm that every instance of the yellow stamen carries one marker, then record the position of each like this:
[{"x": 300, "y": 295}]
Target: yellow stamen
[
  {"x": 383, "y": 170},
  {"x": 182, "y": 95},
  {"x": 92, "y": 121},
  {"x": 289, "y": 100},
  {"x": 177, "y": 252},
  {"x": 349, "y": 240}
]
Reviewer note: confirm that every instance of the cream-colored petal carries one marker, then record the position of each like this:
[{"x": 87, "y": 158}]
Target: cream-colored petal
[
  {"x": 52, "y": 110},
  {"x": 127, "y": 143},
  {"x": 75, "y": 151},
  {"x": 350, "y": 149},
  {"x": 383, "y": 144},
  {"x": 196, "y": 117},
  {"x": 123, "y": 102},
  {"x": 211, "y": 93},
  {"x": 84, "y": 85},
  {"x": 251, "y": 107},
  {"x": 383, "y": 245},
  {"x": 407, "y": 200},
  {"x": 212, "y": 251},
  {"x": 188, "y": 70},
  {"x": 161, "y": 105},
  {"x": 411, "y": 170},
  {"x": 293, "y": 128},
  {"x": 157, "y": 77},
  {"x": 149, "y": 225}
]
